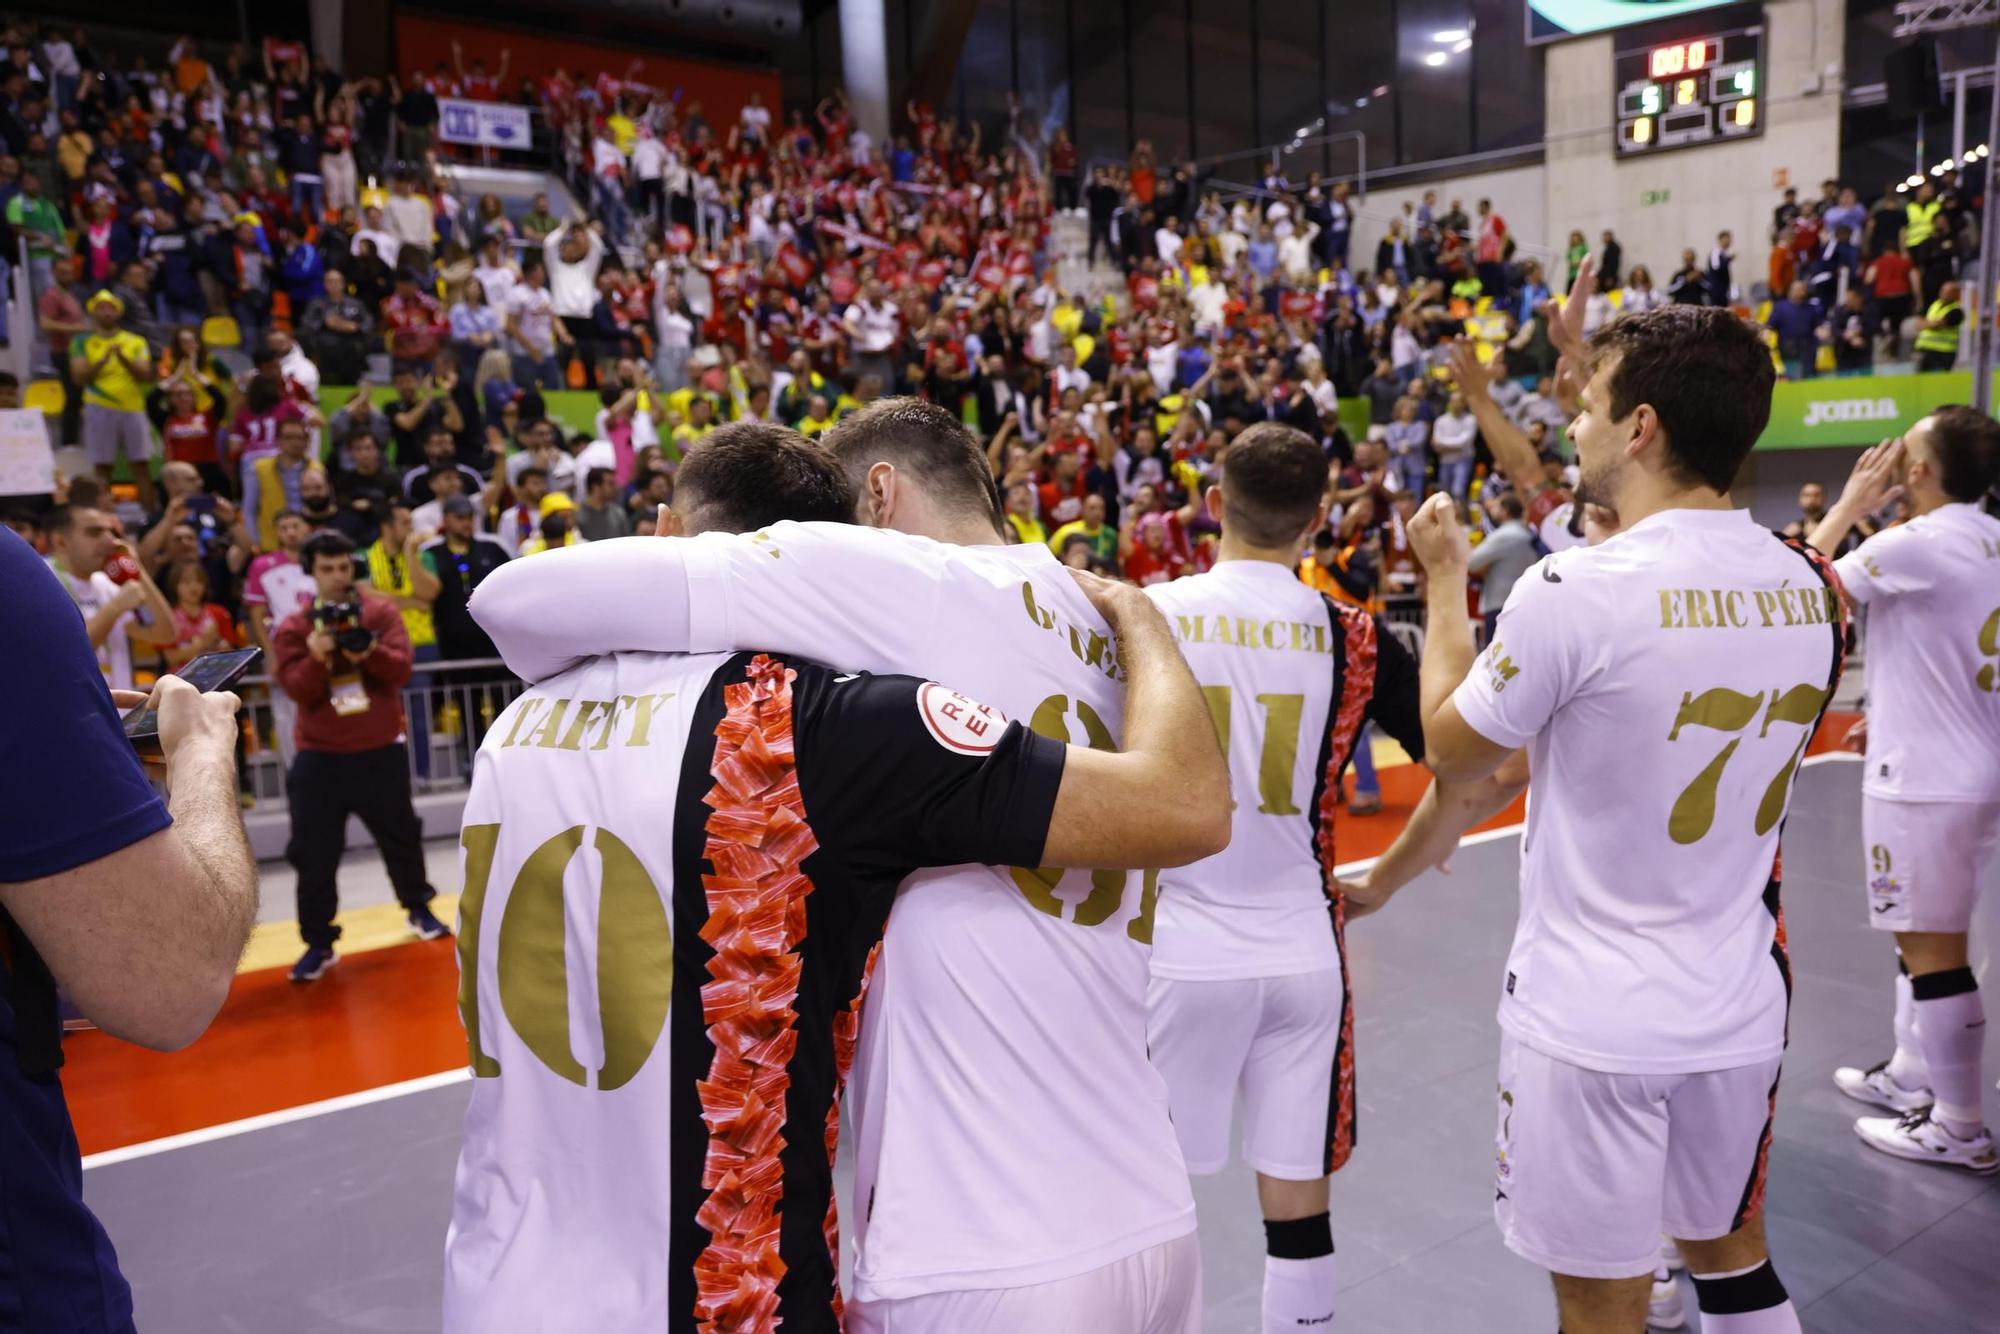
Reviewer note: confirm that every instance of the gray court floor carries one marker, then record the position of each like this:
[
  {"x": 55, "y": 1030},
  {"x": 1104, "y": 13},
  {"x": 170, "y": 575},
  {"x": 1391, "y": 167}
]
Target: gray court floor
[{"x": 337, "y": 1222}]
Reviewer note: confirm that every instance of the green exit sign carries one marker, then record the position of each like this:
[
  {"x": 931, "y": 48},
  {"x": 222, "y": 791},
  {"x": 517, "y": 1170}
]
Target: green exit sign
[{"x": 1648, "y": 198}]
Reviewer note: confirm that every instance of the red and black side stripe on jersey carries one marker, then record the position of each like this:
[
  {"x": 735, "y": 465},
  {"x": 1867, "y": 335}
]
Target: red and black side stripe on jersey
[
  {"x": 1842, "y": 635},
  {"x": 818, "y": 794},
  {"x": 1354, "y": 648},
  {"x": 770, "y": 944}
]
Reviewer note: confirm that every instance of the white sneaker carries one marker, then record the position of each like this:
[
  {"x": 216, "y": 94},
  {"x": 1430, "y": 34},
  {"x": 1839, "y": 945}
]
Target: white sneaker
[
  {"x": 1878, "y": 1088},
  {"x": 1917, "y": 1137},
  {"x": 1670, "y": 1255},
  {"x": 1663, "y": 1307}
]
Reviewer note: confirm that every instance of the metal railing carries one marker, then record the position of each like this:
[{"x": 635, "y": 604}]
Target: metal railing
[{"x": 448, "y": 707}]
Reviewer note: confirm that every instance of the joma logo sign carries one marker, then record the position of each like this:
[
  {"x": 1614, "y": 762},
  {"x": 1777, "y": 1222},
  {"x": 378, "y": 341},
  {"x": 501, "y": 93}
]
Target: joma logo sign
[{"x": 1851, "y": 410}]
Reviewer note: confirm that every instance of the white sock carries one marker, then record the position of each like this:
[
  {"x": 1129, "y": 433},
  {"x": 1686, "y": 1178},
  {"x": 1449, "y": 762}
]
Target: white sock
[
  {"x": 1299, "y": 1294},
  {"x": 1746, "y": 1301},
  {"x": 1951, "y": 1028},
  {"x": 1906, "y": 1066}
]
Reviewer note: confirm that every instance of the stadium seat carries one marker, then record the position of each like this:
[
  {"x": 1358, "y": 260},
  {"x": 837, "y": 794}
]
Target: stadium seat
[
  {"x": 45, "y": 396},
  {"x": 221, "y": 331},
  {"x": 379, "y": 367}
]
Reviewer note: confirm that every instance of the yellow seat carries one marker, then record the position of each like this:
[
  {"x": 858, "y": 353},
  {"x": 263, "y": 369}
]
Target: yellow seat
[
  {"x": 221, "y": 331},
  {"x": 1483, "y": 305},
  {"x": 1763, "y": 312},
  {"x": 1084, "y": 345},
  {"x": 44, "y": 396},
  {"x": 1617, "y": 295}
]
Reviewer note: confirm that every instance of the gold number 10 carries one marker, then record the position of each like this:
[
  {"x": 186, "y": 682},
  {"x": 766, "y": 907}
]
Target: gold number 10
[
  {"x": 1727, "y": 710},
  {"x": 635, "y": 956}
]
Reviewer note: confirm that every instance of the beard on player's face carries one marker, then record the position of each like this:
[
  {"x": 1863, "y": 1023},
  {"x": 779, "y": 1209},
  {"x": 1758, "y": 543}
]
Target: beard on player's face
[{"x": 1597, "y": 483}]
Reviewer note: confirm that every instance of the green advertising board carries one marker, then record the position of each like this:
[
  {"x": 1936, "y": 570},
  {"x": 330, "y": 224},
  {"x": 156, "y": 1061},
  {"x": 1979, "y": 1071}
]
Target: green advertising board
[{"x": 1857, "y": 410}]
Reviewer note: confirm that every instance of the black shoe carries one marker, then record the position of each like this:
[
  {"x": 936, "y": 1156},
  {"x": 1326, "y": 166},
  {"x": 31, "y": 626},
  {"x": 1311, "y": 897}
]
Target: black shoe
[{"x": 425, "y": 923}]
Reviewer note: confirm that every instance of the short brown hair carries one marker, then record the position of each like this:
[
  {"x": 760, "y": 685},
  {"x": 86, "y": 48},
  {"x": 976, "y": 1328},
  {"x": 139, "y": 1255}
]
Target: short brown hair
[
  {"x": 1968, "y": 451},
  {"x": 927, "y": 442},
  {"x": 1273, "y": 480},
  {"x": 743, "y": 476},
  {"x": 1705, "y": 372}
]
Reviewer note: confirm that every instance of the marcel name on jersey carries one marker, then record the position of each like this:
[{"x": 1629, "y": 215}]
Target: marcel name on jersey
[{"x": 1254, "y": 633}]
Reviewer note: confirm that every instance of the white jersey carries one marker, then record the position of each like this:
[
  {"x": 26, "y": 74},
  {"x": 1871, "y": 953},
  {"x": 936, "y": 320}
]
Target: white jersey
[
  {"x": 1270, "y": 655},
  {"x": 1932, "y": 589},
  {"x": 114, "y": 655},
  {"x": 675, "y": 871},
  {"x": 1666, "y": 683},
  {"x": 1010, "y": 1129}
]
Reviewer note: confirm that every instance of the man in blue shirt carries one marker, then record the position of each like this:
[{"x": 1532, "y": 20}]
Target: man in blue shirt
[
  {"x": 137, "y": 909},
  {"x": 1795, "y": 319}
]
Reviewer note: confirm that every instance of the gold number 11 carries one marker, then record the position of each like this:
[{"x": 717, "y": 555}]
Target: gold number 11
[{"x": 1279, "y": 755}]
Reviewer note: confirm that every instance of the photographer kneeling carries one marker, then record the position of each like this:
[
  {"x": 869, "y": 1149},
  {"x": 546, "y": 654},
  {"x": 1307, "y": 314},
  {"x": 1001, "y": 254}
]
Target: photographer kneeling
[
  {"x": 344, "y": 660},
  {"x": 136, "y": 909}
]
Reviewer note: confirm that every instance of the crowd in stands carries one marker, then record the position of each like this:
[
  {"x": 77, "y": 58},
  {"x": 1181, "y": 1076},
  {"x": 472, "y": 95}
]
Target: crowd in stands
[{"x": 207, "y": 245}]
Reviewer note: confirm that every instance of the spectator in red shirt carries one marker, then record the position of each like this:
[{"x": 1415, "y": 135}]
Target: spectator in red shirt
[
  {"x": 200, "y": 625},
  {"x": 415, "y": 322},
  {"x": 1151, "y": 560},
  {"x": 191, "y": 433},
  {"x": 344, "y": 660},
  {"x": 1895, "y": 283}
]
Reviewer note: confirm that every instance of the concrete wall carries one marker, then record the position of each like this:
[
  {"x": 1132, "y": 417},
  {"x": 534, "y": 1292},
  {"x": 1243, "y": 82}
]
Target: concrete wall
[
  {"x": 1519, "y": 194},
  {"x": 1715, "y": 187},
  {"x": 1708, "y": 189}
]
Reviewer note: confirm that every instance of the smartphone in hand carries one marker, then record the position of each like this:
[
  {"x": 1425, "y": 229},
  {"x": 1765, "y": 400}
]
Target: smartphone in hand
[{"x": 209, "y": 672}]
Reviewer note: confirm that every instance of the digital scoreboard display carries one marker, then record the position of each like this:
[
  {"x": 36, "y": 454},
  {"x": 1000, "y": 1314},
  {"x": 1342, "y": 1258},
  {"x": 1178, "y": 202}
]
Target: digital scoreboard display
[{"x": 1694, "y": 90}]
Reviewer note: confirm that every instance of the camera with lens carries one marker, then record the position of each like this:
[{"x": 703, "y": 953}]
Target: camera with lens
[{"x": 342, "y": 620}]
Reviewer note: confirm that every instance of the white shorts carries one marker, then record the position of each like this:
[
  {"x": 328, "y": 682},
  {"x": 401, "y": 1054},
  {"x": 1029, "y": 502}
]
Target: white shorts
[
  {"x": 1593, "y": 1167},
  {"x": 110, "y": 432},
  {"x": 1923, "y": 860},
  {"x": 1156, "y": 1291},
  {"x": 1278, "y": 1042}
]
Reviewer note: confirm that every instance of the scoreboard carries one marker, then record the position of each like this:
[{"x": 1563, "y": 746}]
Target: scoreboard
[{"x": 1694, "y": 90}]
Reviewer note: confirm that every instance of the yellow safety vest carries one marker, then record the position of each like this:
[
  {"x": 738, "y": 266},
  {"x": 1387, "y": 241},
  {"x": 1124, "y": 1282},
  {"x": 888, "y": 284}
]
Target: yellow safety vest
[
  {"x": 1941, "y": 339},
  {"x": 1920, "y": 221}
]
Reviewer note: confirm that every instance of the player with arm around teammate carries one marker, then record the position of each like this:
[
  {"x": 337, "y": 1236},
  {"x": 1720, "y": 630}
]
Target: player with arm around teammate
[{"x": 696, "y": 854}]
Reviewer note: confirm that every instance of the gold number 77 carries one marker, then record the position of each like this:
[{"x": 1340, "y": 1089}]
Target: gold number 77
[{"x": 1726, "y": 710}]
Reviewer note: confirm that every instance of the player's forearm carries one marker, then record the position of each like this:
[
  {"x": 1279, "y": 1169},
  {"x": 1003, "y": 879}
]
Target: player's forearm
[
  {"x": 1838, "y": 521},
  {"x": 1448, "y": 810},
  {"x": 1447, "y": 641},
  {"x": 1163, "y": 801},
  {"x": 547, "y": 614},
  {"x": 1510, "y": 447}
]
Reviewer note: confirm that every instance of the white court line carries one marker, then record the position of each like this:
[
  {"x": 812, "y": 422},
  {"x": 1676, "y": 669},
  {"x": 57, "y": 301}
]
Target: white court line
[
  {"x": 300, "y": 1113},
  {"x": 228, "y": 1129}
]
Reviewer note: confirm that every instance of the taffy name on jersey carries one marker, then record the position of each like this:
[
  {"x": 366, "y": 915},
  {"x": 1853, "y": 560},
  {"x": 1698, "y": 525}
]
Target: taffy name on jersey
[{"x": 573, "y": 724}]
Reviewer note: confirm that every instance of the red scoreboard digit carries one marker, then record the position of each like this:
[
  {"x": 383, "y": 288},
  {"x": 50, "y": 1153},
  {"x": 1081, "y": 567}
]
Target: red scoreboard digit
[{"x": 1688, "y": 91}]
